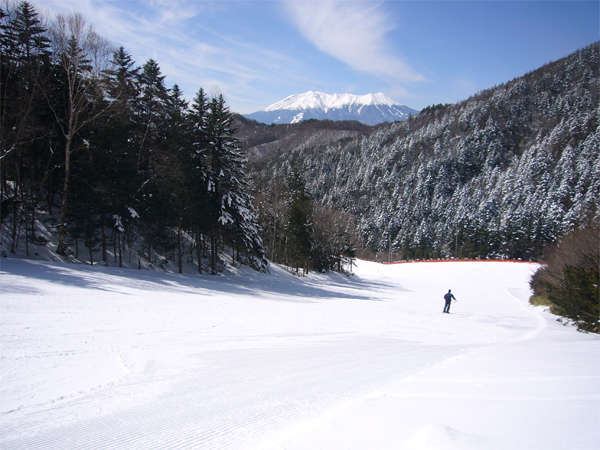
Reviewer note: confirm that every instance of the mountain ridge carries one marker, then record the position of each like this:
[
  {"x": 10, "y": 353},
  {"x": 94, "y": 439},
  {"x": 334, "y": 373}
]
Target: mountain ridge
[
  {"x": 369, "y": 109},
  {"x": 500, "y": 174}
]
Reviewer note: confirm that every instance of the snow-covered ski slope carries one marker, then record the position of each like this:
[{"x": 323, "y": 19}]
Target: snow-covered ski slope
[{"x": 107, "y": 358}]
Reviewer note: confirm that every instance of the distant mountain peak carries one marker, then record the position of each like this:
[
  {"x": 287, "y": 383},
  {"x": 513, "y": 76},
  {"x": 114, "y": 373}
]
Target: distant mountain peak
[
  {"x": 369, "y": 108},
  {"x": 322, "y": 100}
]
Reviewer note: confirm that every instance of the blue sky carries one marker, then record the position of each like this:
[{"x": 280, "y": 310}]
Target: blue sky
[{"x": 416, "y": 52}]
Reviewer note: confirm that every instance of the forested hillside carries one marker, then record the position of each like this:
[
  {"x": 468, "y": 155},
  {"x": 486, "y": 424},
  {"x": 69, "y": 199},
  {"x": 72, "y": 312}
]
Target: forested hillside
[
  {"x": 100, "y": 153},
  {"x": 502, "y": 173},
  {"x": 260, "y": 140}
]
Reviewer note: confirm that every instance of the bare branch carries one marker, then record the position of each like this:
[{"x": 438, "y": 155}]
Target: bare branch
[{"x": 8, "y": 152}]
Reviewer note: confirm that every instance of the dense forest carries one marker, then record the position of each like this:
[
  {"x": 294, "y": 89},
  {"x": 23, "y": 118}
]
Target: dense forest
[
  {"x": 103, "y": 154},
  {"x": 111, "y": 156},
  {"x": 501, "y": 174}
]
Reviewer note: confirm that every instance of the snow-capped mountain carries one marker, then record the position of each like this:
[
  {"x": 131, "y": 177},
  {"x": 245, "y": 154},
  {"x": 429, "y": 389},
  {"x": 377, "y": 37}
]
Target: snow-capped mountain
[{"x": 370, "y": 108}]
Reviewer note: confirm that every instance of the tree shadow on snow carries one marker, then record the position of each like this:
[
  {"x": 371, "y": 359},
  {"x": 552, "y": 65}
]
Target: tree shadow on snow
[
  {"x": 112, "y": 279},
  {"x": 61, "y": 273}
]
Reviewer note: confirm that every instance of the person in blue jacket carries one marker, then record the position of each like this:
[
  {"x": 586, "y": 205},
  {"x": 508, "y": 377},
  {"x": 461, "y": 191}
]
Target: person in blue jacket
[{"x": 448, "y": 297}]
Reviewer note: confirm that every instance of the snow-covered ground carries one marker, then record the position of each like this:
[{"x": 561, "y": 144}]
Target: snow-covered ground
[{"x": 120, "y": 358}]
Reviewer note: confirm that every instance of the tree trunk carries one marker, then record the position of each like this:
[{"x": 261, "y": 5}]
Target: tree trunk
[
  {"x": 119, "y": 237},
  {"x": 213, "y": 254},
  {"x": 128, "y": 240},
  {"x": 274, "y": 240},
  {"x": 13, "y": 245},
  {"x": 62, "y": 248},
  {"x": 179, "y": 250},
  {"x": 104, "y": 257},
  {"x": 199, "y": 245},
  {"x": 50, "y": 200},
  {"x": 32, "y": 225},
  {"x": 26, "y": 238},
  {"x": 91, "y": 250},
  {"x": 115, "y": 235}
]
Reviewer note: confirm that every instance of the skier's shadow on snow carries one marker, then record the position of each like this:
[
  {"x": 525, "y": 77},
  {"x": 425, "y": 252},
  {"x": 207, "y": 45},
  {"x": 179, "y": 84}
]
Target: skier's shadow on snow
[{"x": 113, "y": 279}]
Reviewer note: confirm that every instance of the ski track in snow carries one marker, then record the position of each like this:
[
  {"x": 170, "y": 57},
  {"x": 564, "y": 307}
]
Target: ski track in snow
[{"x": 110, "y": 358}]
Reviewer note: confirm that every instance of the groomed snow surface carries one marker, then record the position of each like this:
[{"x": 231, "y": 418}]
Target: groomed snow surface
[{"x": 96, "y": 358}]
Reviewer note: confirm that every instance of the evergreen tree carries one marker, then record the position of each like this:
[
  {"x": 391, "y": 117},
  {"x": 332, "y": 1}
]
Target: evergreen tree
[
  {"x": 178, "y": 143},
  {"x": 230, "y": 201},
  {"x": 152, "y": 198},
  {"x": 195, "y": 163},
  {"x": 24, "y": 52},
  {"x": 117, "y": 162},
  {"x": 123, "y": 87},
  {"x": 150, "y": 115}
]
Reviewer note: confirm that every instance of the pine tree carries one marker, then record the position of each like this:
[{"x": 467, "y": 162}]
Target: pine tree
[
  {"x": 152, "y": 198},
  {"x": 123, "y": 87},
  {"x": 24, "y": 52},
  {"x": 195, "y": 163},
  {"x": 117, "y": 162},
  {"x": 178, "y": 143},
  {"x": 230, "y": 201},
  {"x": 150, "y": 115}
]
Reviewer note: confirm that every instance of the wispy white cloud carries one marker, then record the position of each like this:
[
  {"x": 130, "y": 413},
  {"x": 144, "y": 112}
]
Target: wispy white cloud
[
  {"x": 189, "y": 51},
  {"x": 193, "y": 52},
  {"x": 353, "y": 32}
]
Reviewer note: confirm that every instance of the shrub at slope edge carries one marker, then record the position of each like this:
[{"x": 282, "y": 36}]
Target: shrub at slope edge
[{"x": 570, "y": 280}]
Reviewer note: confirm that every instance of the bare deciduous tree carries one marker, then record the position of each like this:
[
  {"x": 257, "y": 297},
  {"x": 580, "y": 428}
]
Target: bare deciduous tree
[{"x": 82, "y": 55}]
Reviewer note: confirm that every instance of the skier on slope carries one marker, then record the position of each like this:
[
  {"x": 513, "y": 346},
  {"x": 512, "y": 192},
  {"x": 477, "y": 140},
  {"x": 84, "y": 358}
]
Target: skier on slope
[{"x": 448, "y": 297}]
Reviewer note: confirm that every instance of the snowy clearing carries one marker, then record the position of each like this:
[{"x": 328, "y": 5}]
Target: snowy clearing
[{"x": 110, "y": 358}]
